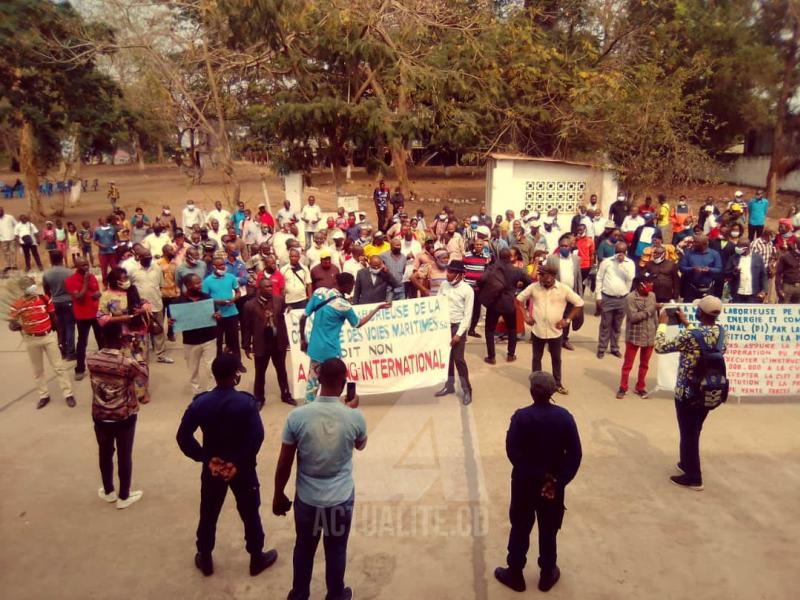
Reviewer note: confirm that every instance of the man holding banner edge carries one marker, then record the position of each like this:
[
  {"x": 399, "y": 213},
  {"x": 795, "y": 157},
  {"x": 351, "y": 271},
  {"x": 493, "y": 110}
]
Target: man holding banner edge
[{"x": 460, "y": 300}]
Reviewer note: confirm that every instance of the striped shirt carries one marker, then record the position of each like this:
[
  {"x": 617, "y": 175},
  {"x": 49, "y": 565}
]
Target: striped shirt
[
  {"x": 765, "y": 249},
  {"x": 474, "y": 266},
  {"x": 33, "y": 314}
]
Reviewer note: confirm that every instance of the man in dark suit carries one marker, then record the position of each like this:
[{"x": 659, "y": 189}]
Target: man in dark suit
[
  {"x": 747, "y": 274},
  {"x": 375, "y": 284},
  {"x": 264, "y": 336}
]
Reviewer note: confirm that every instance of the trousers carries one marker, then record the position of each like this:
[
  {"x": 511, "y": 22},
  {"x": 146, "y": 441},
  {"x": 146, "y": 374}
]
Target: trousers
[
  {"x": 645, "y": 352},
  {"x": 754, "y": 232},
  {"x": 510, "y": 319},
  {"x": 228, "y": 330},
  {"x": 83, "y": 326},
  {"x": 690, "y": 424},
  {"x": 107, "y": 262},
  {"x": 119, "y": 435},
  {"x": 611, "y": 323},
  {"x": 527, "y": 505},
  {"x": 457, "y": 361},
  {"x": 160, "y": 339},
  {"x": 27, "y": 252},
  {"x": 381, "y": 214},
  {"x": 66, "y": 328},
  {"x": 332, "y": 524},
  {"x": 261, "y": 363},
  {"x": 9, "y": 250},
  {"x": 476, "y": 311},
  {"x": 198, "y": 360},
  {"x": 791, "y": 293},
  {"x": 554, "y": 348},
  {"x": 47, "y": 345},
  {"x": 213, "y": 490}
]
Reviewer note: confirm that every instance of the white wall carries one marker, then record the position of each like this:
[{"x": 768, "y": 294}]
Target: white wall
[{"x": 752, "y": 171}]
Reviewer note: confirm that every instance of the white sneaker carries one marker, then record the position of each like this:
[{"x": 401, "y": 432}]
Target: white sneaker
[
  {"x": 132, "y": 497},
  {"x": 165, "y": 359},
  {"x": 112, "y": 497}
]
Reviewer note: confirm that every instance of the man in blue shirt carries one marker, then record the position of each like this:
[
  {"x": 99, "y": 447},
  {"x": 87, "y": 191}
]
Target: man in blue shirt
[
  {"x": 323, "y": 435},
  {"x": 105, "y": 238},
  {"x": 238, "y": 217},
  {"x": 700, "y": 268},
  {"x": 544, "y": 448},
  {"x": 224, "y": 289},
  {"x": 232, "y": 436},
  {"x": 330, "y": 310},
  {"x": 757, "y": 215}
]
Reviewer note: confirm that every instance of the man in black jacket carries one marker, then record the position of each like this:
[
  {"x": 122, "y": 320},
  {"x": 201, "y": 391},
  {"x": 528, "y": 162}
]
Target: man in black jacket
[
  {"x": 232, "y": 435},
  {"x": 375, "y": 284},
  {"x": 544, "y": 448},
  {"x": 264, "y": 336},
  {"x": 508, "y": 279}
]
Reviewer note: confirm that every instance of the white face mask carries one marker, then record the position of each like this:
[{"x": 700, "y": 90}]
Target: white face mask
[
  {"x": 124, "y": 285},
  {"x": 31, "y": 290},
  {"x": 190, "y": 207},
  {"x": 658, "y": 260}
]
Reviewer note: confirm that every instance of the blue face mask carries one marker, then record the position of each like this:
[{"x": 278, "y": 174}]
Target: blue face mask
[
  {"x": 473, "y": 225},
  {"x": 235, "y": 254},
  {"x": 565, "y": 252}
]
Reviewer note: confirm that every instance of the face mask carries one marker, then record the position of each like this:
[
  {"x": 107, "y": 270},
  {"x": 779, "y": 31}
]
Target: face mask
[
  {"x": 473, "y": 226},
  {"x": 658, "y": 260},
  {"x": 146, "y": 262},
  {"x": 682, "y": 203},
  {"x": 235, "y": 254},
  {"x": 30, "y": 290},
  {"x": 220, "y": 272},
  {"x": 613, "y": 239},
  {"x": 395, "y": 250},
  {"x": 741, "y": 251},
  {"x": 735, "y": 234},
  {"x": 374, "y": 271},
  {"x": 647, "y": 288},
  {"x": 190, "y": 261},
  {"x": 443, "y": 217},
  {"x": 124, "y": 285},
  {"x": 190, "y": 207},
  {"x": 565, "y": 252},
  {"x": 787, "y": 235}
]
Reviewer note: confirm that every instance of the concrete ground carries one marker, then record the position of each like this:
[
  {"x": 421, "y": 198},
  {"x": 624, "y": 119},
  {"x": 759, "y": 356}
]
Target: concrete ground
[{"x": 432, "y": 496}]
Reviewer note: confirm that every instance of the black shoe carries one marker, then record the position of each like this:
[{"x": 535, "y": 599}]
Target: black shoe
[
  {"x": 171, "y": 338},
  {"x": 511, "y": 357},
  {"x": 473, "y": 333},
  {"x": 620, "y": 393},
  {"x": 43, "y": 402},
  {"x": 466, "y": 399},
  {"x": 547, "y": 579},
  {"x": 616, "y": 353},
  {"x": 70, "y": 400},
  {"x": 685, "y": 481},
  {"x": 490, "y": 360},
  {"x": 680, "y": 468},
  {"x": 567, "y": 345},
  {"x": 510, "y": 578},
  {"x": 347, "y": 594},
  {"x": 261, "y": 561},
  {"x": 447, "y": 389},
  {"x": 600, "y": 354},
  {"x": 287, "y": 399},
  {"x": 204, "y": 563}
]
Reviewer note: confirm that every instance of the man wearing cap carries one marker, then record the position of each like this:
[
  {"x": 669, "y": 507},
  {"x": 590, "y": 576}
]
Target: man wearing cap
[
  {"x": 757, "y": 213},
  {"x": 314, "y": 253},
  {"x": 550, "y": 316},
  {"x": 377, "y": 246},
  {"x": 324, "y": 274},
  {"x": 544, "y": 448},
  {"x": 690, "y": 417},
  {"x": 471, "y": 232},
  {"x": 460, "y": 302},
  {"x": 614, "y": 280}
]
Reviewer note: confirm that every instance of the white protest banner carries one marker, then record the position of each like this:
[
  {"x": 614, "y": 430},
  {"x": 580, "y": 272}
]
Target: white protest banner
[
  {"x": 763, "y": 356},
  {"x": 403, "y": 347}
]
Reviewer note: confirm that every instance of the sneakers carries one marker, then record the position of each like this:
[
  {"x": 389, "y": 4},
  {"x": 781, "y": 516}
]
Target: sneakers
[
  {"x": 510, "y": 578},
  {"x": 643, "y": 394},
  {"x": 111, "y": 497},
  {"x": 204, "y": 563},
  {"x": 621, "y": 394},
  {"x": 562, "y": 390},
  {"x": 684, "y": 481},
  {"x": 132, "y": 497},
  {"x": 166, "y": 360},
  {"x": 262, "y": 561},
  {"x": 43, "y": 402},
  {"x": 547, "y": 579},
  {"x": 70, "y": 400}
]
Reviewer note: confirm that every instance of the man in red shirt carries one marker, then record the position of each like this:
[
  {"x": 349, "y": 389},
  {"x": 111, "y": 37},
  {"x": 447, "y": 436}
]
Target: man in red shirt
[
  {"x": 275, "y": 276},
  {"x": 586, "y": 252},
  {"x": 85, "y": 292},
  {"x": 264, "y": 218},
  {"x": 33, "y": 315}
]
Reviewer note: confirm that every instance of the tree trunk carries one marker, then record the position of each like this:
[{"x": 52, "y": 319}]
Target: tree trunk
[
  {"x": 231, "y": 179},
  {"x": 265, "y": 192},
  {"x": 400, "y": 164},
  {"x": 160, "y": 153},
  {"x": 27, "y": 162},
  {"x": 777, "y": 163},
  {"x": 137, "y": 148}
]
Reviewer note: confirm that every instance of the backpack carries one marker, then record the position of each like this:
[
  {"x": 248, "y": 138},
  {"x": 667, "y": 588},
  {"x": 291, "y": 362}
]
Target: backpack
[
  {"x": 709, "y": 386},
  {"x": 493, "y": 287}
]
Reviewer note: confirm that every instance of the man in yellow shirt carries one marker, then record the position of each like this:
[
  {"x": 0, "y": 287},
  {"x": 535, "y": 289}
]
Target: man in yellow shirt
[
  {"x": 377, "y": 246},
  {"x": 663, "y": 217}
]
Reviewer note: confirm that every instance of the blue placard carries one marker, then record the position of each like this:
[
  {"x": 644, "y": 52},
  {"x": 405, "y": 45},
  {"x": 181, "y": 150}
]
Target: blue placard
[{"x": 192, "y": 315}]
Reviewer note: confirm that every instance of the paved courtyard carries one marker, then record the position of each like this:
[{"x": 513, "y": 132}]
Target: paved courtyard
[{"x": 432, "y": 492}]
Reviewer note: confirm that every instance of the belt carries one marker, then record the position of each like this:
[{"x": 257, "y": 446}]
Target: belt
[{"x": 38, "y": 334}]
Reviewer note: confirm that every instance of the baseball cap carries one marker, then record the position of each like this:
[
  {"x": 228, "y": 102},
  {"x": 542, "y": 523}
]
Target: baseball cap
[
  {"x": 378, "y": 235},
  {"x": 736, "y": 207},
  {"x": 324, "y": 254},
  {"x": 711, "y": 305},
  {"x": 484, "y": 230},
  {"x": 473, "y": 219},
  {"x": 738, "y": 194},
  {"x": 338, "y": 234}
]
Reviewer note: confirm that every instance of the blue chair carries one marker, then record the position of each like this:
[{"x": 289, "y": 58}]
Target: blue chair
[
  {"x": 59, "y": 186},
  {"x": 21, "y": 191},
  {"x": 49, "y": 188},
  {"x": 8, "y": 192}
]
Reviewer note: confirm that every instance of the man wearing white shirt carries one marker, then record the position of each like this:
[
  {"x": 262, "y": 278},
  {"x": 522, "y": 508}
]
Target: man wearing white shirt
[
  {"x": 310, "y": 217},
  {"x": 298, "y": 281},
  {"x": 216, "y": 232},
  {"x": 631, "y": 223},
  {"x": 220, "y": 214},
  {"x": 156, "y": 241},
  {"x": 191, "y": 216},
  {"x": 614, "y": 281},
  {"x": 286, "y": 214},
  {"x": 569, "y": 274},
  {"x": 460, "y": 299},
  {"x": 27, "y": 235},
  {"x": 8, "y": 239},
  {"x": 313, "y": 253}
]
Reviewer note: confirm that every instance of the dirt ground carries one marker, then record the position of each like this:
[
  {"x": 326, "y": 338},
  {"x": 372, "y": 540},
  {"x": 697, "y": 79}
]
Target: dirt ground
[
  {"x": 464, "y": 188},
  {"x": 432, "y": 493}
]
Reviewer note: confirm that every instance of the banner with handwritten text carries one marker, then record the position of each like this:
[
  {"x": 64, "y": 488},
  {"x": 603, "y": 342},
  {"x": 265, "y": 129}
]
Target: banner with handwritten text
[
  {"x": 403, "y": 347},
  {"x": 763, "y": 356}
]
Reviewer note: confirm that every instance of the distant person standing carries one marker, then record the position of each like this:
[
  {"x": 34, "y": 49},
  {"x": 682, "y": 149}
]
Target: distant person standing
[
  {"x": 398, "y": 201},
  {"x": 665, "y": 276},
  {"x": 641, "y": 315},
  {"x": 105, "y": 238},
  {"x": 380, "y": 197},
  {"x": 618, "y": 211},
  {"x": 747, "y": 274},
  {"x": 757, "y": 209},
  {"x": 27, "y": 235},
  {"x": 116, "y": 376},
  {"x": 663, "y": 220},
  {"x": 221, "y": 215},
  {"x": 224, "y": 290},
  {"x": 113, "y": 195},
  {"x": 310, "y": 216},
  {"x": 544, "y": 448},
  {"x": 614, "y": 280},
  {"x": 322, "y": 435},
  {"x": 232, "y": 436},
  {"x": 8, "y": 240},
  {"x": 191, "y": 216},
  {"x": 569, "y": 274},
  {"x": 787, "y": 274}
]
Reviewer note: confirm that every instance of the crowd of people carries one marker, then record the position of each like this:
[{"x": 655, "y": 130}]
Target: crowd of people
[{"x": 522, "y": 274}]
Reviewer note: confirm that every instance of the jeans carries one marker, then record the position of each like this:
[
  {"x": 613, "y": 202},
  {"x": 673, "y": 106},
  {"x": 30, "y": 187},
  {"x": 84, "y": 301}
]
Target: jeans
[
  {"x": 510, "y": 319},
  {"x": 83, "y": 326},
  {"x": 27, "y": 252},
  {"x": 309, "y": 238},
  {"x": 754, "y": 232},
  {"x": 117, "y": 434},
  {"x": 261, "y": 363},
  {"x": 554, "y": 347},
  {"x": 690, "y": 424},
  {"x": 66, "y": 328},
  {"x": 627, "y": 365},
  {"x": 228, "y": 330},
  {"x": 310, "y": 523},
  {"x": 526, "y": 505},
  {"x": 613, "y": 313},
  {"x": 457, "y": 361},
  {"x": 245, "y": 488}
]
